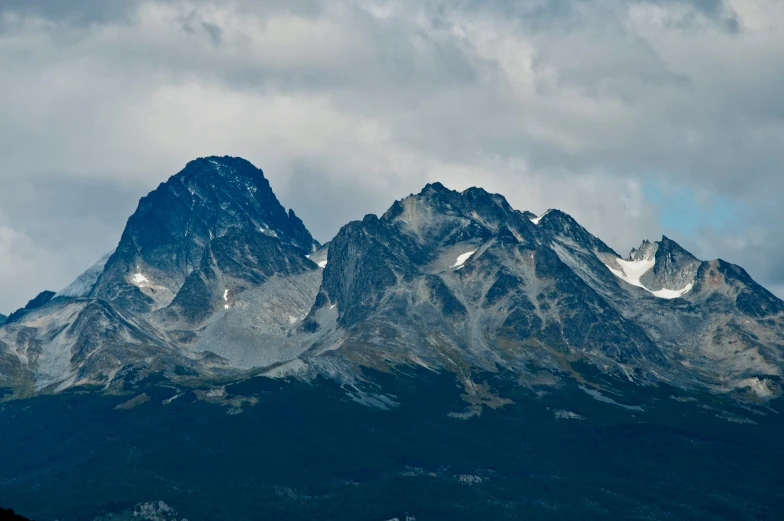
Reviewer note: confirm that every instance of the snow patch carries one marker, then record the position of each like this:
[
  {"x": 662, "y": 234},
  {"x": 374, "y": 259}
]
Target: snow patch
[
  {"x": 536, "y": 220},
  {"x": 139, "y": 279},
  {"x": 226, "y": 298},
  {"x": 632, "y": 271},
  {"x": 322, "y": 264},
  {"x": 673, "y": 293},
  {"x": 461, "y": 259}
]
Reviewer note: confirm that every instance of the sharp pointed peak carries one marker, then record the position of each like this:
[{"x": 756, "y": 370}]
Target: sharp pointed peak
[
  {"x": 434, "y": 187},
  {"x": 661, "y": 247},
  {"x": 554, "y": 216},
  {"x": 536, "y": 219},
  {"x": 667, "y": 245},
  {"x": 477, "y": 193},
  {"x": 557, "y": 222},
  {"x": 555, "y": 213}
]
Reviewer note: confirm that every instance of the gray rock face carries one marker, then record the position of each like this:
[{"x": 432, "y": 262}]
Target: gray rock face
[
  {"x": 212, "y": 278},
  {"x": 541, "y": 291},
  {"x": 674, "y": 267},
  {"x": 462, "y": 280},
  {"x": 166, "y": 237}
]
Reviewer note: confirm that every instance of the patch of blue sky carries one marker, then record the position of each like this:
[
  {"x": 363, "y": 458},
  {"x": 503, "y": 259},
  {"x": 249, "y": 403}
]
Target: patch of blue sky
[{"x": 688, "y": 210}]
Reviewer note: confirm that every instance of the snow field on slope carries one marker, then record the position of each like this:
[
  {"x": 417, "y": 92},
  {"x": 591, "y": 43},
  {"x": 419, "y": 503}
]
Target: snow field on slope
[{"x": 632, "y": 271}]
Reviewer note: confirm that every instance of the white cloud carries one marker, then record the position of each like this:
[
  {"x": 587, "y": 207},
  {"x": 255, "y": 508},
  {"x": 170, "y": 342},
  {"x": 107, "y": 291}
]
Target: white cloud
[
  {"x": 20, "y": 262},
  {"x": 348, "y": 105}
]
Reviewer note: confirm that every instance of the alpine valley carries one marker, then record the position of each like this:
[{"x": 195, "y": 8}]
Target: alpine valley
[{"x": 453, "y": 358}]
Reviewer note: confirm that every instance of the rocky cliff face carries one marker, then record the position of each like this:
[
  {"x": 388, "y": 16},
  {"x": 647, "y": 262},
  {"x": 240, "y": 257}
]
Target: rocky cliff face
[
  {"x": 213, "y": 278},
  {"x": 462, "y": 281},
  {"x": 166, "y": 238}
]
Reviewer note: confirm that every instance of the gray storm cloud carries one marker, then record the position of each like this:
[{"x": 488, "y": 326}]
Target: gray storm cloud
[{"x": 348, "y": 105}]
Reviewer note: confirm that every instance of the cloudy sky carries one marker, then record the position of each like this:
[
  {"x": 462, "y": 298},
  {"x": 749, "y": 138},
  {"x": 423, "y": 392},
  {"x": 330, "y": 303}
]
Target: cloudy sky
[{"x": 638, "y": 117}]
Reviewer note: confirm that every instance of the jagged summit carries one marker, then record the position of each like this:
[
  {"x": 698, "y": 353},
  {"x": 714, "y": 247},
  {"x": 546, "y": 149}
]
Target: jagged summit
[
  {"x": 438, "y": 216},
  {"x": 645, "y": 251},
  {"x": 165, "y": 239},
  {"x": 563, "y": 227},
  {"x": 663, "y": 268}
]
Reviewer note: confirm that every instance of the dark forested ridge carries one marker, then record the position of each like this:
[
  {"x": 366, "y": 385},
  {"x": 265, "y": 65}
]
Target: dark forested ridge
[
  {"x": 8, "y": 514},
  {"x": 287, "y": 450}
]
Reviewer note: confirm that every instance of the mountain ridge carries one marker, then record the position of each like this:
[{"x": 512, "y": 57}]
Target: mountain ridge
[{"x": 213, "y": 278}]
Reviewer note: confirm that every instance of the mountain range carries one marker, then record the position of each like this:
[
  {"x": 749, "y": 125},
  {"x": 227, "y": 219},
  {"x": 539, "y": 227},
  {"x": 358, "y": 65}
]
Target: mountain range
[
  {"x": 213, "y": 280},
  {"x": 453, "y": 358}
]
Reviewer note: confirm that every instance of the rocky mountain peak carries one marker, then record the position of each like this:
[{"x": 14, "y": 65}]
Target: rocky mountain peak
[
  {"x": 439, "y": 216},
  {"x": 436, "y": 187},
  {"x": 243, "y": 195},
  {"x": 165, "y": 239},
  {"x": 562, "y": 227},
  {"x": 645, "y": 251},
  {"x": 668, "y": 247},
  {"x": 673, "y": 268}
]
